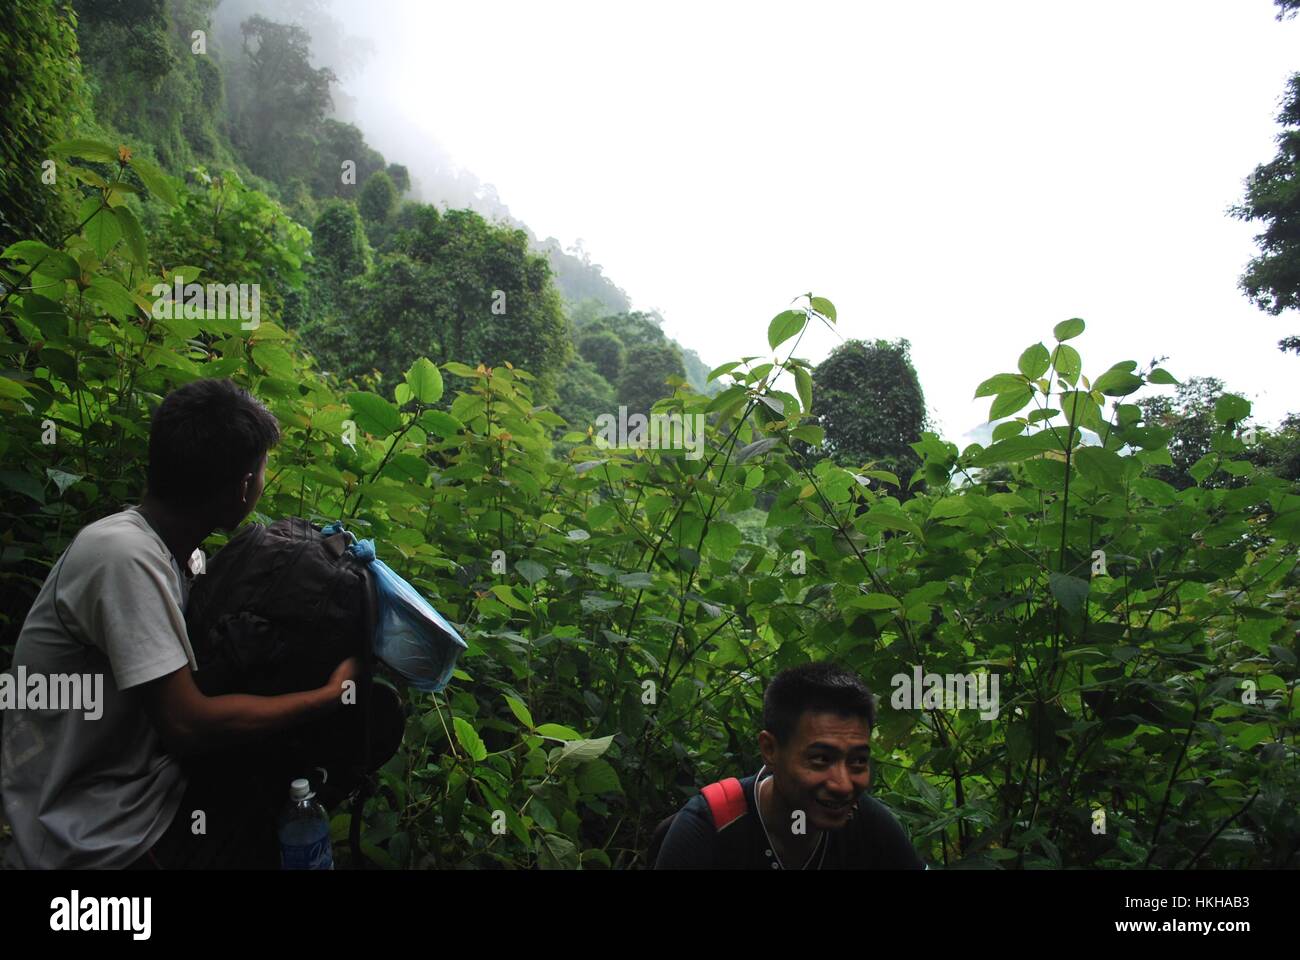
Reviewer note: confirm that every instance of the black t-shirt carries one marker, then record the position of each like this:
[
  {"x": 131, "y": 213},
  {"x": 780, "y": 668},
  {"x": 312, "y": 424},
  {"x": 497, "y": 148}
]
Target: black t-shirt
[{"x": 872, "y": 840}]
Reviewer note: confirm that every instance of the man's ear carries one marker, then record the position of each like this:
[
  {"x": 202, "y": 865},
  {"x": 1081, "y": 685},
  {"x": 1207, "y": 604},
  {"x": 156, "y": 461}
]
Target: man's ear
[{"x": 767, "y": 746}]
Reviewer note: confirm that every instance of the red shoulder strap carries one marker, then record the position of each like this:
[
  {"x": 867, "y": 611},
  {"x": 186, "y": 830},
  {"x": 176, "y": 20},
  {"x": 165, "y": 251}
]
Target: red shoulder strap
[{"x": 726, "y": 800}]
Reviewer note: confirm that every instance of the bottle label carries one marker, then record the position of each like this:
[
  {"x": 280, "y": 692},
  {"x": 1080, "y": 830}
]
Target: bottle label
[{"x": 313, "y": 856}]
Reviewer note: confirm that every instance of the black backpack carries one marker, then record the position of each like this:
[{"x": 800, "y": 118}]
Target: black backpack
[{"x": 277, "y": 610}]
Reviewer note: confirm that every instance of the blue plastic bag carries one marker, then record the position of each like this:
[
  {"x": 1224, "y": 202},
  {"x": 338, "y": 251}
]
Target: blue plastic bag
[{"x": 411, "y": 637}]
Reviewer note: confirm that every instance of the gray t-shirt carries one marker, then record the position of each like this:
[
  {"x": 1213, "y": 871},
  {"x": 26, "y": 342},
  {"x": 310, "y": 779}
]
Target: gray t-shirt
[{"x": 81, "y": 787}]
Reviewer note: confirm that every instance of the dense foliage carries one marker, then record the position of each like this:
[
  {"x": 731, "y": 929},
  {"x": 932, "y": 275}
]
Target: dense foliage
[{"x": 624, "y": 606}]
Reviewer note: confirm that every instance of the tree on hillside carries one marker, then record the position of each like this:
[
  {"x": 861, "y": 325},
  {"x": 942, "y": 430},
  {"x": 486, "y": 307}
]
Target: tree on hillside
[
  {"x": 451, "y": 287},
  {"x": 1272, "y": 279},
  {"x": 645, "y": 370},
  {"x": 867, "y": 398},
  {"x": 282, "y": 98},
  {"x": 604, "y": 351},
  {"x": 378, "y": 198}
]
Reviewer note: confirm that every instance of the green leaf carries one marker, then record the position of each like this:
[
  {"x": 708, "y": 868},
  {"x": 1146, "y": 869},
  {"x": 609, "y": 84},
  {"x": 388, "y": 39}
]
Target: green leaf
[
  {"x": 803, "y": 383},
  {"x": 54, "y": 264},
  {"x": 1103, "y": 467},
  {"x": 103, "y": 231},
  {"x": 824, "y": 307},
  {"x": 1067, "y": 362},
  {"x": 557, "y": 731},
  {"x": 755, "y": 448},
  {"x": 374, "y": 414},
  {"x": 1070, "y": 592},
  {"x": 1117, "y": 383},
  {"x": 784, "y": 326},
  {"x": 506, "y": 595},
  {"x": 425, "y": 381},
  {"x": 1231, "y": 407},
  {"x": 530, "y": 570},
  {"x": 998, "y": 384},
  {"x": 62, "y": 479},
  {"x": 12, "y": 389},
  {"x": 440, "y": 423},
  {"x": 469, "y": 739},
  {"x": 113, "y": 297},
  {"x": 86, "y": 149},
  {"x": 1161, "y": 375},
  {"x": 158, "y": 183},
  {"x": 1068, "y": 329},
  {"x": 583, "y": 750},
  {"x": 875, "y": 601},
  {"x": 23, "y": 483},
  {"x": 597, "y": 777},
  {"x": 950, "y": 507},
  {"x": 134, "y": 236},
  {"x": 719, "y": 371},
  {"x": 1035, "y": 361},
  {"x": 1008, "y": 403},
  {"x": 520, "y": 711}
]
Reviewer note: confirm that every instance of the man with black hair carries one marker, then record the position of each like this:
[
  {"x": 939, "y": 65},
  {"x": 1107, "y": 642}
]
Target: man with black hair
[
  {"x": 87, "y": 790},
  {"x": 807, "y": 807}
]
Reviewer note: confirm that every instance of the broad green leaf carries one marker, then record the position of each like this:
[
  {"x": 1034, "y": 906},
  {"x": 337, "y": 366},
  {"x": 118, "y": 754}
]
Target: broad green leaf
[
  {"x": 1035, "y": 361},
  {"x": 469, "y": 739},
  {"x": 134, "y": 236},
  {"x": 506, "y": 595},
  {"x": 1070, "y": 592},
  {"x": 440, "y": 423},
  {"x": 113, "y": 297},
  {"x": 875, "y": 601},
  {"x": 1231, "y": 407},
  {"x": 530, "y": 570},
  {"x": 103, "y": 231},
  {"x": 1068, "y": 329},
  {"x": 158, "y": 183},
  {"x": 557, "y": 731},
  {"x": 583, "y": 750},
  {"x": 824, "y": 307},
  {"x": 1161, "y": 375},
  {"x": 54, "y": 264},
  {"x": 1000, "y": 383},
  {"x": 374, "y": 414},
  {"x": 520, "y": 711},
  {"x": 1103, "y": 467},
  {"x": 1006, "y": 404},
  {"x": 784, "y": 326},
  {"x": 597, "y": 777},
  {"x": 803, "y": 383},
  {"x": 84, "y": 148},
  {"x": 1067, "y": 363},
  {"x": 425, "y": 381},
  {"x": 1117, "y": 383}
]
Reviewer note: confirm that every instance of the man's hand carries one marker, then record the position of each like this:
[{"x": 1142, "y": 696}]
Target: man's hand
[
  {"x": 349, "y": 669},
  {"x": 190, "y": 722}
]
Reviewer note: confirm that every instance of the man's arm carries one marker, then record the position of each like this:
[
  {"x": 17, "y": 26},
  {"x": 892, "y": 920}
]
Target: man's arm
[{"x": 189, "y": 722}]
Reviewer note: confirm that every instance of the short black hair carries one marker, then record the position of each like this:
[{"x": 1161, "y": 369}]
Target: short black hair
[
  {"x": 822, "y": 687},
  {"x": 204, "y": 437}
]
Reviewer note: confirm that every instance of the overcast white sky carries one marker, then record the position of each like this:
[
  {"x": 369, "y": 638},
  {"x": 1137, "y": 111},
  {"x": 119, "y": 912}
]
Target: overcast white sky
[{"x": 962, "y": 174}]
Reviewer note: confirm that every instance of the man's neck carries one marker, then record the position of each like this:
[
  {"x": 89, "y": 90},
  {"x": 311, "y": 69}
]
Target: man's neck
[
  {"x": 793, "y": 848},
  {"x": 180, "y": 532}
]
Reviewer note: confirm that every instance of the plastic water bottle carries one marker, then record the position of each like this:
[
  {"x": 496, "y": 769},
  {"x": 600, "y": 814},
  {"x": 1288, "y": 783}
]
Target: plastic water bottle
[{"x": 304, "y": 829}]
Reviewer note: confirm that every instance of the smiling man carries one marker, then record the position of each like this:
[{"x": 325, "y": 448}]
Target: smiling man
[{"x": 807, "y": 808}]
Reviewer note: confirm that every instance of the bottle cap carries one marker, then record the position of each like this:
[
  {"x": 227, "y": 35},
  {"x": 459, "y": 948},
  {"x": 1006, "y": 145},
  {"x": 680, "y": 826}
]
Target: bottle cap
[{"x": 300, "y": 789}]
